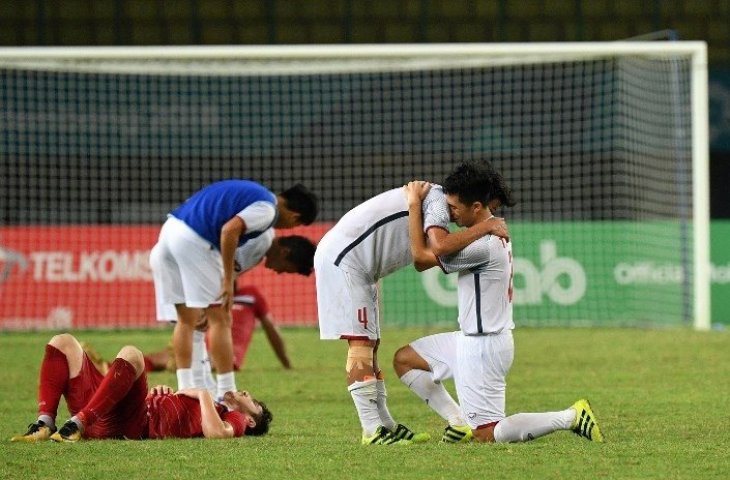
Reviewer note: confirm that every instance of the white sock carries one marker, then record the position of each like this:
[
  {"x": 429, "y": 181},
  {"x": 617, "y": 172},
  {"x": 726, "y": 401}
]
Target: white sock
[
  {"x": 226, "y": 382},
  {"x": 48, "y": 420},
  {"x": 385, "y": 417},
  {"x": 184, "y": 378},
  {"x": 202, "y": 375},
  {"x": 209, "y": 381},
  {"x": 522, "y": 427},
  {"x": 434, "y": 394},
  {"x": 365, "y": 396}
]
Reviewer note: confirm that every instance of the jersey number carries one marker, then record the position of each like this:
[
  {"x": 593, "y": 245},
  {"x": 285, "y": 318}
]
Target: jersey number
[{"x": 362, "y": 317}]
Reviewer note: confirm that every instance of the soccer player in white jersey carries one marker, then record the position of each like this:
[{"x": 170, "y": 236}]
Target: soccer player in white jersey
[
  {"x": 479, "y": 355},
  {"x": 193, "y": 260},
  {"x": 368, "y": 243}
]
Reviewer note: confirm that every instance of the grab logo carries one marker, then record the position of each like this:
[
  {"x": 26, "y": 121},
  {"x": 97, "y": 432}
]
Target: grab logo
[{"x": 561, "y": 280}]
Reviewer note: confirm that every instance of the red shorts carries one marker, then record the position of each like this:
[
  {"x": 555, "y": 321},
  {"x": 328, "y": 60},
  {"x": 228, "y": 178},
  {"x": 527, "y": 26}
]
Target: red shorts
[{"x": 127, "y": 419}]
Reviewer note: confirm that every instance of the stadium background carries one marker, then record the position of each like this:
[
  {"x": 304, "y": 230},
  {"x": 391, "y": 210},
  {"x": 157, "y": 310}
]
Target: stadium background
[{"x": 75, "y": 193}]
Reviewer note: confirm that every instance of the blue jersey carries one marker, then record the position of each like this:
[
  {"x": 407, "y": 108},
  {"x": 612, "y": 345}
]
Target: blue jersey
[{"x": 207, "y": 210}]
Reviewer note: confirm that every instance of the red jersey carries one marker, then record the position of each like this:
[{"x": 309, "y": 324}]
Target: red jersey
[
  {"x": 248, "y": 305},
  {"x": 179, "y": 416}
]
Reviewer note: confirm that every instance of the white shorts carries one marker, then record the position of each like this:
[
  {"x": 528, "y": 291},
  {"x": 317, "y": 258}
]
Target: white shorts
[
  {"x": 479, "y": 367},
  {"x": 185, "y": 268},
  {"x": 347, "y": 301}
]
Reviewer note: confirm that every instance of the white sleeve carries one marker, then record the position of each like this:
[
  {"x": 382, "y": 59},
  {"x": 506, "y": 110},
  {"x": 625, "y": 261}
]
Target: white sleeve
[
  {"x": 258, "y": 216},
  {"x": 435, "y": 209},
  {"x": 470, "y": 257},
  {"x": 250, "y": 253}
]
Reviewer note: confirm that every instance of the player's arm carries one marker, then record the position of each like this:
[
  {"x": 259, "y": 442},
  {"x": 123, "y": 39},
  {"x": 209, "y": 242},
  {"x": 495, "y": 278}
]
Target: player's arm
[
  {"x": 275, "y": 339},
  {"x": 443, "y": 243},
  {"x": 212, "y": 424},
  {"x": 230, "y": 235},
  {"x": 423, "y": 257}
]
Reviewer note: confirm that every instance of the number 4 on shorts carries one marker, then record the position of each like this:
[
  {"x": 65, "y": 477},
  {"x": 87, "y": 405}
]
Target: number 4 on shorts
[{"x": 362, "y": 317}]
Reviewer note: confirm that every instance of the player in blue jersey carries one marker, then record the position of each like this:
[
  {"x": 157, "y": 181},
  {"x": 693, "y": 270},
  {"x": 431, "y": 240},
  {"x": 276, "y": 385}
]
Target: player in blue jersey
[
  {"x": 193, "y": 262},
  {"x": 479, "y": 355}
]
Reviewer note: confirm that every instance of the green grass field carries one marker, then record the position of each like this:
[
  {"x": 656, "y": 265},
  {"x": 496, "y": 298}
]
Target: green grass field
[{"x": 661, "y": 397}]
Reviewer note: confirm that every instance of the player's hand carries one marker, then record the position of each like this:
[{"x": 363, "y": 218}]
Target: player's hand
[
  {"x": 497, "y": 226},
  {"x": 161, "y": 390},
  {"x": 416, "y": 191},
  {"x": 226, "y": 295},
  {"x": 202, "y": 325}
]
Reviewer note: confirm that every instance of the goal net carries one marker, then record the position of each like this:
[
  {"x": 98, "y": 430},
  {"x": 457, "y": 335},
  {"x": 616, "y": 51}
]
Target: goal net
[{"x": 603, "y": 144}]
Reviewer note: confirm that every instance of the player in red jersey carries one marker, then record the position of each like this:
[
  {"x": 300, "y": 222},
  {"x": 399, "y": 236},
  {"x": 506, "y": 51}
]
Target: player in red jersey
[{"x": 118, "y": 405}]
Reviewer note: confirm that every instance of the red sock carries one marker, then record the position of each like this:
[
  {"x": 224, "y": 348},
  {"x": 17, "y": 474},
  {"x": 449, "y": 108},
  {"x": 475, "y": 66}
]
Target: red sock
[
  {"x": 53, "y": 381},
  {"x": 116, "y": 384}
]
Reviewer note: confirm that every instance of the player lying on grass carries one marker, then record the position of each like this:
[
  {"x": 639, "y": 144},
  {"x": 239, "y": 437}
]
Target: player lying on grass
[
  {"x": 479, "y": 355},
  {"x": 118, "y": 405}
]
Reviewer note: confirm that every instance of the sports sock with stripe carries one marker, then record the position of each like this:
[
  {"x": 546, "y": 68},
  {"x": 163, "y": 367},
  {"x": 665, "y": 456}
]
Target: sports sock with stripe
[
  {"x": 434, "y": 394},
  {"x": 365, "y": 396},
  {"x": 385, "y": 417},
  {"x": 522, "y": 427}
]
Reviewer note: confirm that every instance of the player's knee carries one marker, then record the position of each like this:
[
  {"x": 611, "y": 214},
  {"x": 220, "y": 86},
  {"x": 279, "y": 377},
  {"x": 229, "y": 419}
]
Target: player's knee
[
  {"x": 64, "y": 342},
  {"x": 403, "y": 360},
  {"x": 485, "y": 434},
  {"x": 132, "y": 355},
  {"x": 187, "y": 316},
  {"x": 359, "y": 358},
  {"x": 218, "y": 316}
]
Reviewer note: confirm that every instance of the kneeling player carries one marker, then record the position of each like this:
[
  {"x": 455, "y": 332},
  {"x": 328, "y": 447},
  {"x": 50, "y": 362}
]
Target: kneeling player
[{"x": 117, "y": 405}]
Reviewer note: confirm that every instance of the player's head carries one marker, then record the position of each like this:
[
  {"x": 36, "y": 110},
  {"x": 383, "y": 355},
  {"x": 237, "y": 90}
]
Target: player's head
[
  {"x": 501, "y": 193},
  {"x": 259, "y": 415},
  {"x": 472, "y": 188},
  {"x": 262, "y": 419},
  {"x": 297, "y": 206},
  {"x": 292, "y": 254}
]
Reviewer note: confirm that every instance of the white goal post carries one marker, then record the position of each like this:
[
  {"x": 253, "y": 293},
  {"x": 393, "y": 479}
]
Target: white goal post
[{"x": 604, "y": 143}]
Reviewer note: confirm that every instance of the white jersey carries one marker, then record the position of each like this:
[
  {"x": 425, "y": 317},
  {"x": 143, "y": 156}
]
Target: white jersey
[
  {"x": 485, "y": 285},
  {"x": 373, "y": 237},
  {"x": 250, "y": 253}
]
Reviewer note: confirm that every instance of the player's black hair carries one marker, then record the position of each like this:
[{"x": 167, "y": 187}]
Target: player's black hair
[
  {"x": 300, "y": 200},
  {"x": 478, "y": 182},
  {"x": 501, "y": 190},
  {"x": 301, "y": 253},
  {"x": 262, "y": 421}
]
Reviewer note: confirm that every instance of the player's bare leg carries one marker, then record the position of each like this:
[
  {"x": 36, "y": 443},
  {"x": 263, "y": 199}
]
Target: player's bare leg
[
  {"x": 416, "y": 374},
  {"x": 221, "y": 348},
  {"x": 182, "y": 340}
]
